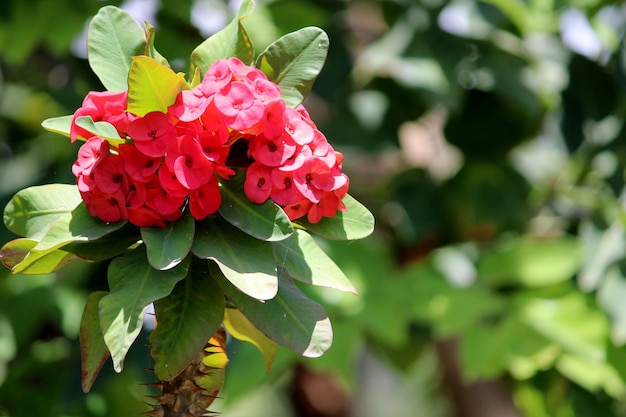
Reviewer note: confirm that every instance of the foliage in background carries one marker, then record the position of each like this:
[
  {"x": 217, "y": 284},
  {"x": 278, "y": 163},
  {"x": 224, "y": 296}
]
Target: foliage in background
[{"x": 489, "y": 139}]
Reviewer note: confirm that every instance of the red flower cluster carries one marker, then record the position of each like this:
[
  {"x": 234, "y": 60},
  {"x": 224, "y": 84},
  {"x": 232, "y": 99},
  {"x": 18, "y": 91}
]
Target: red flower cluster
[{"x": 170, "y": 160}]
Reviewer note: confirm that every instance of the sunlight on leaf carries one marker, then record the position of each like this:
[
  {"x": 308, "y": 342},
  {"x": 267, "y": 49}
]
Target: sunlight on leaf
[
  {"x": 290, "y": 318},
  {"x": 305, "y": 261},
  {"x": 134, "y": 284},
  {"x": 245, "y": 261},
  {"x": 114, "y": 37},
  {"x": 103, "y": 129},
  {"x": 152, "y": 86},
  {"x": 60, "y": 125},
  {"x": 294, "y": 62},
  {"x": 356, "y": 223}
]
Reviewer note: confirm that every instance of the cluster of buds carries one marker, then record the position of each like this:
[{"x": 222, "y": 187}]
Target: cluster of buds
[{"x": 171, "y": 161}]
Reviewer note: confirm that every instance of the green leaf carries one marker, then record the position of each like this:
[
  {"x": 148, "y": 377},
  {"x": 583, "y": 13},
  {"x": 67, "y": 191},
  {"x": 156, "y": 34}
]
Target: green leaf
[
  {"x": 241, "y": 328},
  {"x": 290, "y": 319},
  {"x": 294, "y": 62},
  {"x": 113, "y": 38},
  {"x": 611, "y": 295},
  {"x": 134, "y": 284},
  {"x": 168, "y": 246},
  {"x": 305, "y": 261},
  {"x": 93, "y": 350},
  {"x": 150, "y": 49},
  {"x": 13, "y": 254},
  {"x": 32, "y": 210},
  {"x": 356, "y": 223},
  {"x": 76, "y": 226},
  {"x": 107, "y": 246},
  {"x": 152, "y": 86},
  {"x": 533, "y": 263},
  {"x": 103, "y": 129},
  {"x": 59, "y": 125},
  {"x": 487, "y": 351},
  {"x": 570, "y": 321},
  {"x": 186, "y": 320},
  {"x": 247, "y": 262},
  {"x": 231, "y": 41},
  {"x": 265, "y": 221},
  {"x": 604, "y": 246}
]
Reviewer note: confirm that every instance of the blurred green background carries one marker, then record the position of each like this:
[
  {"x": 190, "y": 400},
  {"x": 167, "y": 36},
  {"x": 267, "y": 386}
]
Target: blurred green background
[{"x": 487, "y": 137}]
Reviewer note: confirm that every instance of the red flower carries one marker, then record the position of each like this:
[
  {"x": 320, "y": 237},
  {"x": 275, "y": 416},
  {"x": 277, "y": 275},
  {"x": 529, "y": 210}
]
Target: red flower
[
  {"x": 108, "y": 207},
  {"x": 258, "y": 183},
  {"x": 137, "y": 194},
  {"x": 89, "y": 155},
  {"x": 194, "y": 104},
  {"x": 312, "y": 178},
  {"x": 205, "y": 200},
  {"x": 264, "y": 90},
  {"x": 152, "y": 133},
  {"x": 186, "y": 159},
  {"x": 298, "y": 129},
  {"x": 273, "y": 124},
  {"x": 272, "y": 152},
  {"x": 106, "y": 106},
  {"x": 162, "y": 202},
  {"x": 139, "y": 166},
  {"x": 144, "y": 217},
  {"x": 238, "y": 107},
  {"x": 240, "y": 71},
  {"x": 110, "y": 175},
  {"x": 169, "y": 182},
  {"x": 283, "y": 192},
  {"x": 217, "y": 77},
  {"x": 298, "y": 209}
]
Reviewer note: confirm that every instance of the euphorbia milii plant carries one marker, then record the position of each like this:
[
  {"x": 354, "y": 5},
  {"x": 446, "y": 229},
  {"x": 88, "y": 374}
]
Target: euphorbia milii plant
[{"x": 201, "y": 192}]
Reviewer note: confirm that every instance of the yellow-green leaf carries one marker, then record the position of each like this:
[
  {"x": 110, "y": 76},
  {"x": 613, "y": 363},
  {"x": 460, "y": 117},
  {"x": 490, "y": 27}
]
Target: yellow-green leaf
[
  {"x": 152, "y": 86},
  {"x": 241, "y": 328}
]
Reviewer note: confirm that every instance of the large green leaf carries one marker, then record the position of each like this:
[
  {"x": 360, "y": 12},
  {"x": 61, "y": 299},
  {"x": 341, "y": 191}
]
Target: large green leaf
[
  {"x": 168, "y": 246},
  {"x": 231, "y": 41},
  {"x": 305, "y": 261},
  {"x": 152, "y": 86},
  {"x": 45, "y": 257},
  {"x": 93, "y": 350},
  {"x": 294, "y": 62},
  {"x": 59, "y": 125},
  {"x": 134, "y": 284},
  {"x": 76, "y": 226},
  {"x": 241, "y": 328},
  {"x": 103, "y": 129},
  {"x": 290, "y": 319},
  {"x": 107, "y": 246},
  {"x": 32, "y": 210},
  {"x": 247, "y": 262},
  {"x": 13, "y": 254},
  {"x": 265, "y": 221},
  {"x": 356, "y": 223},
  {"x": 186, "y": 320},
  {"x": 114, "y": 37}
]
